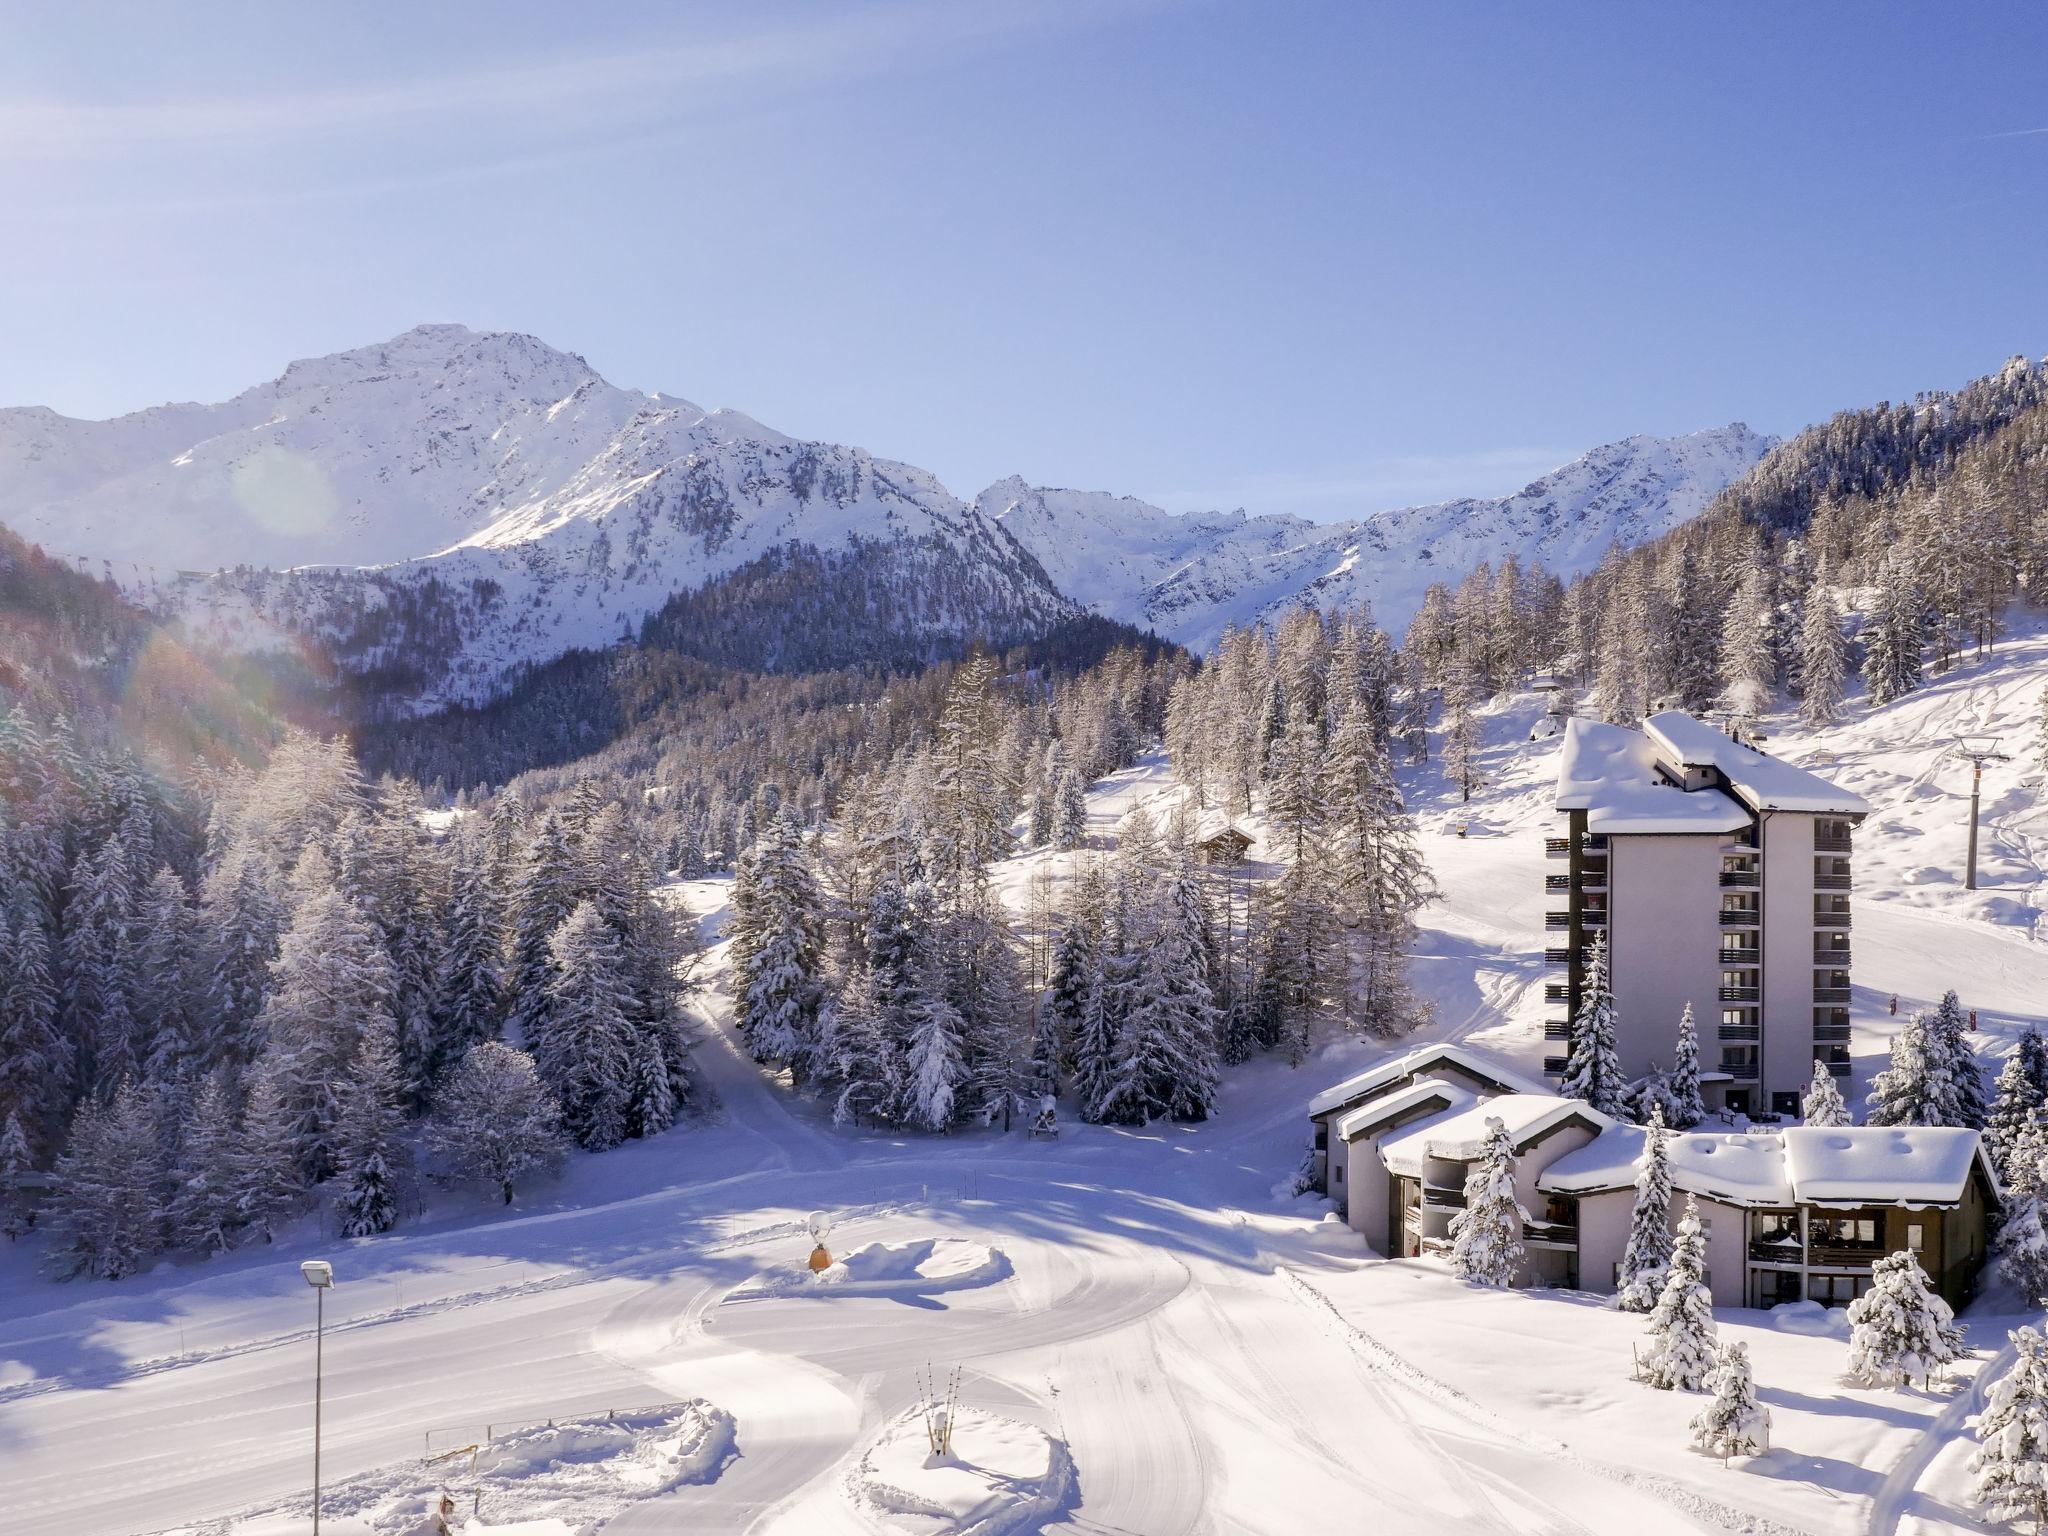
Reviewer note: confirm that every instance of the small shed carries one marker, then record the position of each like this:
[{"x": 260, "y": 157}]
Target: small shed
[{"x": 1226, "y": 844}]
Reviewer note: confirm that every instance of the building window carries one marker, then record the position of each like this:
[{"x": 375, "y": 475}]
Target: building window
[
  {"x": 1837, "y": 1290},
  {"x": 1916, "y": 1237},
  {"x": 1845, "y": 1232},
  {"x": 1736, "y": 1016}
]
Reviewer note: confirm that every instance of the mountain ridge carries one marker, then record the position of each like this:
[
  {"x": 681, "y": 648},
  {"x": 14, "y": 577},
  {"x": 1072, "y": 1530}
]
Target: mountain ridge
[{"x": 450, "y": 506}]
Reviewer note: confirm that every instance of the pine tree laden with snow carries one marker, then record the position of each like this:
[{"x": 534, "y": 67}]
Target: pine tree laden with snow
[
  {"x": 1486, "y": 1236},
  {"x": 2023, "y": 1245},
  {"x": 372, "y": 1161},
  {"x": 1916, "y": 1088},
  {"x": 1592, "y": 1069},
  {"x": 1646, "y": 1260},
  {"x": 1733, "y": 1423},
  {"x": 1688, "y": 1109},
  {"x": 1899, "y": 1329},
  {"x": 495, "y": 1120},
  {"x": 586, "y": 1056},
  {"x": 108, "y": 1218},
  {"x": 1948, "y": 1042},
  {"x": 1682, "y": 1348},
  {"x": 2011, "y": 1462},
  {"x": 1823, "y": 659},
  {"x": 205, "y": 1210},
  {"x": 1822, "y": 1102},
  {"x": 2015, "y": 1106}
]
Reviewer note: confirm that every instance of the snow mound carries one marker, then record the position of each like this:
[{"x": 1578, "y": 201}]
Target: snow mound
[
  {"x": 572, "y": 1476},
  {"x": 886, "y": 1269},
  {"x": 1811, "y": 1319},
  {"x": 1001, "y": 1476}
]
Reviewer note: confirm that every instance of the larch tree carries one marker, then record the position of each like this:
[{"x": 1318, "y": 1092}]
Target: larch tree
[
  {"x": 1378, "y": 879},
  {"x": 1682, "y": 1339},
  {"x": 1486, "y": 1236},
  {"x": 1646, "y": 1259},
  {"x": 1899, "y": 1329},
  {"x": 495, "y": 1120}
]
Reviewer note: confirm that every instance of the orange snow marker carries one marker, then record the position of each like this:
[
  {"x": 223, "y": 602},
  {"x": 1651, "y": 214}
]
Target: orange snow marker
[{"x": 820, "y": 1259}]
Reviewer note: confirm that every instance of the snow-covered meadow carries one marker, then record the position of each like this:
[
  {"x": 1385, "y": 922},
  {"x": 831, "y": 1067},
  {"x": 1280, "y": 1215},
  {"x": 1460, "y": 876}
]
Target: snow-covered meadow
[{"x": 1182, "y": 1346}]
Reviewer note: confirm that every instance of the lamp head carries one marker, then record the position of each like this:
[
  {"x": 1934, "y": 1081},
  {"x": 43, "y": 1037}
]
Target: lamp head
[{"x": 318, "y": 1272}]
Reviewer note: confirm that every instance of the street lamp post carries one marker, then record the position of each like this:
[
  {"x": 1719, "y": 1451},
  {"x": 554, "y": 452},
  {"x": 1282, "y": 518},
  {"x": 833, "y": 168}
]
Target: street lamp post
[{"x": 320, "y": 1275}]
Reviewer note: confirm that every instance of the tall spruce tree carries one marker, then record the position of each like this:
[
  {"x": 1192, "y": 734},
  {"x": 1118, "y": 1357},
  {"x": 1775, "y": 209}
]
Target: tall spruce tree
[
  {"x": 1646, "y": 1260},
  {"x": 1682, "y": 1340},
  {"x": 1822, "y": 1102},
  {"x": 1688, "y": 1109},
  {"x": 586, "y": 1055},
  {"x": 1593, "y": 1065},
  {"x": 1486, "y": 1236}
]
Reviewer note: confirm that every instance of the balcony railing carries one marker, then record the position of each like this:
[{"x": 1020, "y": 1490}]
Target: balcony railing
[
  {"x": 1557, "y": 882},
  {"x": 1741, "y": 919},
  {"x": 1739, "y": 994},
  {"x": 1831, "y": 1034},
  {"x": 1844, "y": 1258},
  {"x": 1558, "y": 847},
  {"x": 1742, "y": 1032},
  {"x": 1550, "y": 1232},
  {"x": 1830, "y": 842},
  {"x": 1747, "y": 955},
  {"x": 1593, "y": 917},
  {"x": 1824, "y": 954},
  {"x": 1553, "y": 1066},
  {"x": 1830, "y": 994},
  {"x": 1831, "y": 882},
  {"x": 1741, "y": 1071},
  {"x": 1830, "y": 919},
  {"x": 1442, "y": 1198},
  {"x": 1739, "y": 879},
  {"x": 1592, "y": 878},
  {"x": 1764, "y": 1251},
  {"x": 1555, "y": 920},
  {"x": 1557, "y": 954},
  {"x": 1556, "y": 1031},
  {"x": 1556, "y": 992}
]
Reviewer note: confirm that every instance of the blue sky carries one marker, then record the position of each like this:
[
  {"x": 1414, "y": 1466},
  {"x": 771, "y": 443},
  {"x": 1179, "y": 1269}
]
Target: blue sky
[{"x": 1310, "y": 257}]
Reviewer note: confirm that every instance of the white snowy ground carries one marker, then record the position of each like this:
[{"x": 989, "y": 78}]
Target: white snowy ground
[{"x": 1213, "y": 1358}]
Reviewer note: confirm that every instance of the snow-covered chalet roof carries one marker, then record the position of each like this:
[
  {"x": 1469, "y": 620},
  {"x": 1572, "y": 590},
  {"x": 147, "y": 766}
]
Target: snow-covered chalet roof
[
  {"x": 1459, "y": 1134},
  {"x": 1610, "y": 772},
  {"x": 1883, "y": 1164},
  {"x": 1740, "y": 1169},
  {"x": 1397, "y": 1069},
  {"x": 1378, "y": 1111},
  {"x": 1760, "y": 780},
  {"x": 1803, "y": 1164}
]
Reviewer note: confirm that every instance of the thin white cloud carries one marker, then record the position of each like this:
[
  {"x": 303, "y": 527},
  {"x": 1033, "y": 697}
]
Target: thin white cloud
[{"x": 619, "y": 88}]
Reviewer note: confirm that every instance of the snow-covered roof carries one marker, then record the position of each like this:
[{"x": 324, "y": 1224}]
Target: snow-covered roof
[
  {"x": 1396, "y": 1069},
  {"x": 1883, "y": 1165},
  {"x": 1817, "y": 1165},
  {"x": 1740, "y": 1169},
  {"x": 1762, "y": 781},
  {"x": 1610, "y": 772},
  {"x": 1377, "y": 1111},
  {"x": 1459, "y": 1134}
]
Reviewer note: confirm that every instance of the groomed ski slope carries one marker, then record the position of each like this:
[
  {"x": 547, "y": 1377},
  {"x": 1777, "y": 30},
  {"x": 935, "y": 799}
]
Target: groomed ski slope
[{"x": 1213, "y": 1356}]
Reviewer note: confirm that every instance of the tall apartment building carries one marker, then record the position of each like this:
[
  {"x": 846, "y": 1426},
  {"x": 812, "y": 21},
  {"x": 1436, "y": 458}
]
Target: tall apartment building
[{"x": 1720, "y": 877}]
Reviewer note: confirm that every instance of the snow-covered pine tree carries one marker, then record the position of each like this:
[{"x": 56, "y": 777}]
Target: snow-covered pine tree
[
  {"x": 332, "y": 980},
  {"x": 241, "y": 919},
  {"x": 865, "y": 1059},
  {"x": 99, "y": 967},
  {"x": 1749, "y": 662},
  {"x": 1682, "y": 1338},
  {"x": 1297, "y": 958},
  {"x": 2015, "y": 1105},
  {"x": 1377, "y": 876},
  {"x": 1166, "y": 1052},
  {"x": 1294, "y": 796},
  {"x": 17, "y": 1162},
  {"x": 35, "y": 1059},
  {"x": 1948, "y": 1041},
  {"x": 1899, "y": 1328},
  {"x": 1593, "y": 1064},
  {"x": 779, "y": 969},
  {"x": 544, "y": 897},
  {"x": 1688, "y": 1109},
  {"x": 1461, "y": 731},
  {"x": 1074, "y": 965},
  {"x": 495, "y": 1120},
  {"x": 1822, "y": 1102},
  {"x": 2011, "y": 1462},
  {"x": 1486, "y": 1236},
  {"x": 1646, "y": 1260},
  {"x": 1915, "y": 1089},
  {"x": 2033, "y": 1051},
  {"x": 371, "y": 1159},
  {"x": 1734, "y": 1423},
  {"x": 1893, "y": 636},
  {"x": 586, "y": 1054},
  {"x": 2023, "y": 1243},
  {"x": 469, "y": 995},
  {"x": 1069, "y": 811},
  {"x": 107, "y": 1218},
  {"x": 934, "y": 1066},
  {"x": 205, "y": 1210},
  {"x": 1823, "y": 659},
  {"x": 270, "y": 1190},
  {"x": 165, "y": 1006}
]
